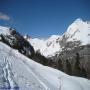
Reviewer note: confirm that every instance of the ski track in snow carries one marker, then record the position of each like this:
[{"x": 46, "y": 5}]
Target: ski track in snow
[{"x": 6, "y": 76}]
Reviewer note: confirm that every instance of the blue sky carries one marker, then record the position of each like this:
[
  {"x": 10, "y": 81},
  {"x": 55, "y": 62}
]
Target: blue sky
[{"x": 42, "y": 18}]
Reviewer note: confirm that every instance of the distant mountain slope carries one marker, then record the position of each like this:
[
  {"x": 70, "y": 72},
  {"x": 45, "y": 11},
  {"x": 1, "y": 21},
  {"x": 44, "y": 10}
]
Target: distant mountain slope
[
  {"x": 19, "y": 72},
  {"x": 48, "y": 47}
]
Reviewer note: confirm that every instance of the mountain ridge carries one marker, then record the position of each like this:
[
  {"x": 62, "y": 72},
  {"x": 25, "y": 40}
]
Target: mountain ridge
[{"x": 78, "y": 33}]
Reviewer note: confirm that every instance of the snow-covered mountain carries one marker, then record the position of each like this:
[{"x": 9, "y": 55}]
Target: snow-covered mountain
[
  {"x": 78, "y": 33},
  {"x": 47, "y": 47},
  {"x": 18, "y": 72}
]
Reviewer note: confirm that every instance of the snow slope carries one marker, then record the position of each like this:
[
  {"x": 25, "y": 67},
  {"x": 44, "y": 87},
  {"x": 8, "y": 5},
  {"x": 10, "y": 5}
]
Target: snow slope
[
  {"x": 48, "y": 47},
  {"x": 19, "y": 72}
]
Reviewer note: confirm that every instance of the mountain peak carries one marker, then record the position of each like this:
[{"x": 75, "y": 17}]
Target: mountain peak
[
  {"x": 79, "y": 30},
  {"x": 78, "y": 20}
]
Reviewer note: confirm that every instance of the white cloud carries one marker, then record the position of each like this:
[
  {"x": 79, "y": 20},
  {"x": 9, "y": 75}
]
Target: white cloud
[{"x": 3, "y": 16}]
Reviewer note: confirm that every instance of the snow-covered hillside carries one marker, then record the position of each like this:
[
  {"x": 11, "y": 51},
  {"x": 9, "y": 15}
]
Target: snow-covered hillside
[
  {"x": 48, "y": 47},
  {"x": 19, "y": 72}
]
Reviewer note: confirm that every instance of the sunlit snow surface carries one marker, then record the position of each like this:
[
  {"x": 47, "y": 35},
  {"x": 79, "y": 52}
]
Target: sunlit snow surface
[{"x": 19, "y": 72}]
